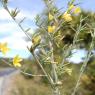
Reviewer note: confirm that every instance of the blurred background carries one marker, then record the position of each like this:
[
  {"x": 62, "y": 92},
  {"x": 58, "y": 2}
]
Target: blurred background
[{"x": 21, "y": 84}]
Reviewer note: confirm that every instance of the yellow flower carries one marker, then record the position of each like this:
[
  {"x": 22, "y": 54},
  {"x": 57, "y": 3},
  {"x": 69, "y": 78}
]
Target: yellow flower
[
  {"x": 69, "y": 71},
  {"x": 67, "y": 17},
  {"x": 36, "y": 39},
  {"x": 74, "y": 9},
  {"x": 3, "y": 48},
  {"x": 50, "y": 17},
  {"x": 51, "y": 29},
  {"x": 77, "y": 10},
  {"x": 16, "y": 61}
]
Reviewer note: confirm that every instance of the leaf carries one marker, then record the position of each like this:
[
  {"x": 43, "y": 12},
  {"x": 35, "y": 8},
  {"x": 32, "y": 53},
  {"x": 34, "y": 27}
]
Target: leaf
[
  {"x": 14, "y": 12},
  {"x": 5, "y": 1}
]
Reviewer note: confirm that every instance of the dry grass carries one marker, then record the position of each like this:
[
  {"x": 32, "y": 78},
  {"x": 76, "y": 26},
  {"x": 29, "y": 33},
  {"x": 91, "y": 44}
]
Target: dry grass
[{"x": 17, "y": 84}]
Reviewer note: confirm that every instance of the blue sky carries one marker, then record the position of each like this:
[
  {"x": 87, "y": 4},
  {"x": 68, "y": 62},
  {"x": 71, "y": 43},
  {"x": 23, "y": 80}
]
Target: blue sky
[{"x": 9, "y": 32}]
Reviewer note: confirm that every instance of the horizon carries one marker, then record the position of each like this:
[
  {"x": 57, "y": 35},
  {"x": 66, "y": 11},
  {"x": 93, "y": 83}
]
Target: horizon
[{"x": 10, "y": 32}]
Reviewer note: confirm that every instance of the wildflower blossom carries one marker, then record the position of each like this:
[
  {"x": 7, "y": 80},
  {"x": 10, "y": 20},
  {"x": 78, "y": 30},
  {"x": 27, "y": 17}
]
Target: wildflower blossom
[
  {"x": 67, "y": 17},
  {"x": 77, "y": 10},
  {"x": 50, "y": 17},
  {"x": 16, "y": 61},
  {"x": 69, "y": 71},
  {"x": 74, "y": 9},
  {"x": 3, "y": 48},
  {"x": 36, "y": 39},
  {"x": 51, "y": 29}
]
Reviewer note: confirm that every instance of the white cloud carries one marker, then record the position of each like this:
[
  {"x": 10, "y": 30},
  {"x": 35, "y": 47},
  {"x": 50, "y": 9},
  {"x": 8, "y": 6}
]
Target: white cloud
[
  {"x": 18, "y": 34},
  {"x": 26, "y": 14},
  {"x": 15, "y": 37},
  {"x": 77, "y": 56},
  {"x": 4, "y": 15},
  {"x": 21, "y": 45},
  {"x": 8, "y": 26},
  {"x": 15, "y": 42}
]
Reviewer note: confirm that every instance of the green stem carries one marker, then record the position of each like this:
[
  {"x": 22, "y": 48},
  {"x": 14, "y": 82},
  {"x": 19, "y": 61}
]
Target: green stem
[
  {"x": 47, "y": 75},
  {"x": 84, "y": 65},
  {"x": 6, "y": 8},
  {"x": 67, "y": 52},
  {"x": 54, "y": 73},
  {"x": 8, "y": 63}
]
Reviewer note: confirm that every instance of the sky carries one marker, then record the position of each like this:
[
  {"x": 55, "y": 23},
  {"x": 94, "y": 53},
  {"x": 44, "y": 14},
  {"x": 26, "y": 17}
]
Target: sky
[{"x": 11, "y": 33}]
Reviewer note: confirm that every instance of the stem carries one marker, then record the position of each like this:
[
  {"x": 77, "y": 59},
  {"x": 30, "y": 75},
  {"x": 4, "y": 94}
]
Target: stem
[
  {"x": 67, "y": 52},
  {"x": 6, "y": 8},
  {"x": 55, "y": 77},
  {"x": 54, "y": 73},
  {"x": 47, "y": 75},
  {"x": 84, "y": 65},
  {"x": 21, "y": 70},
  {"x": 53, "y": 64},
  {"x": 56, "y": 91}
]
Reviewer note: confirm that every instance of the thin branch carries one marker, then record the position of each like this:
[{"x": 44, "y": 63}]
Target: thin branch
[
  {"x": 6, "y": 8},
  {"x": 38, "y": 62},
  {"x": 55, "y": 77},
  {"x": 6, "y": 62},
  {"x": 54, "y": 66},
  {"x": 30, "y": 39},
  {"x": 84, "y": 65},
  {"x": 66, "y": 64},
  {"x": 73, "y": 44},
  {"x": 32, "y": 74},
  {"x": 40, "y": 65}
]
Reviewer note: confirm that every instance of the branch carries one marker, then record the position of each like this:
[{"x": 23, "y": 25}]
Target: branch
[
  {"x": 38, "y": 62},
  {"x": 84, "y": 65},
  {"x": 22, "y": 70},
  {"x": 75, "y": 38},
  {"x": 6, "y": 8}
]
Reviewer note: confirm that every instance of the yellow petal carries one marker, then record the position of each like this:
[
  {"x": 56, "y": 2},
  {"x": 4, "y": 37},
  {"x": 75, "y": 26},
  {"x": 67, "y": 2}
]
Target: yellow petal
[
  {"x": 51, "y": 29},
  {"x": 36, "y": 39},
  {"x": 16, "y": 61},
  {"x": 17, "y": 65},
  {"x": 77, "y": 10},
  {"x": 50, "y": 17},
  {"x": 67, "y": 17},
  {"x": 3, "y": 48},
  {"x": 69, "y": 71}
]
